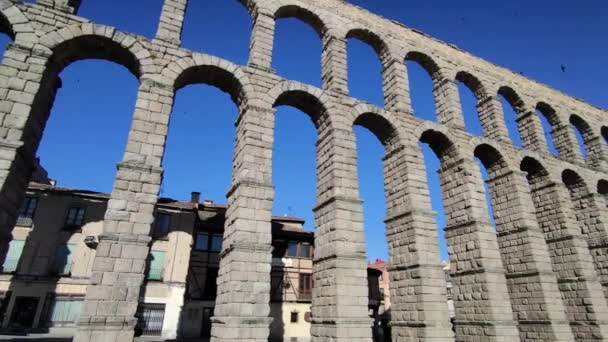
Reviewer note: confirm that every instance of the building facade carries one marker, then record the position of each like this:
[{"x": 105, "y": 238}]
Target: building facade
[{"x": 50, "y": 260}]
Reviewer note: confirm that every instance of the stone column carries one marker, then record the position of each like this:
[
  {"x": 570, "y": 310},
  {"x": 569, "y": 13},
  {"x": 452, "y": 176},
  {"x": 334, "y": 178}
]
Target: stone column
[
  {"x": 112, "y": 297},
  {"x": 334, "y": 64},
  {"x": 66, "y": 6},
  {"x": 419, "y": 310},
  {"x": 22, "y": 121},
  {"x": 597, "y": 151},
  {"x": 396, "y": 85},
  {"x": 533, "y": 287},
  {"x": 578, "y": 283},
  {"x": 262, "y": 41},
  {"x": 565, "y": 142},
  {"x": 171, "y": 22},
  {"x": 242, "y": 311},
  {"x": 340, "y": 293},
  {"x": 481, "y": 297},
  {"x": 531, "y": 131},
  {"x": 447, "y": 103},
  {"x": 492, "y": 118}
]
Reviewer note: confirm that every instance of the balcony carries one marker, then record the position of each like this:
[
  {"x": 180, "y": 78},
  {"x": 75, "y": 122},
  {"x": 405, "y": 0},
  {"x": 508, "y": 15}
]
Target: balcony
[{"x": 304, "y": 296}]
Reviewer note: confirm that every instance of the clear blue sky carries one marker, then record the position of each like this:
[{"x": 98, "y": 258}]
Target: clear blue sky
[{"x": 87, "y": 130}]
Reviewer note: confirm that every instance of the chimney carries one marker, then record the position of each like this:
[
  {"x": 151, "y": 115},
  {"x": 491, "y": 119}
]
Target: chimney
[{"x": 195, "y": 197}]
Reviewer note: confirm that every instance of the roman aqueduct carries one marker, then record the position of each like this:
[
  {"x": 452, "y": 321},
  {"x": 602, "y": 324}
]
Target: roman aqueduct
[{"x": 542, "y": 275}]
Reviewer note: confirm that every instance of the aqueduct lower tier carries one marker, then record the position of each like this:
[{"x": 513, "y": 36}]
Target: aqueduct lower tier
[{"x": 541, "y": 276}]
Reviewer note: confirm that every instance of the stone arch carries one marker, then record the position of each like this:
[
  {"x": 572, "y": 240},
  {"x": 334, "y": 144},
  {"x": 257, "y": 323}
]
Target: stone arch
[
  {"x": 372, "y": 39},
  {"x": 427, "y": 63},
  {"x": 519, "y": 107},
  {"x": 472, "y": 83},
  {"x": 380, "y": 126},
  {"x": 12, "y": 21},
  {"x": 305, "y": 102},
  {"x": 604, "y": 132},
  {"x": 535, "y": 168},
  {"x": 491, "y": 158},
  {"x": 575, "y": 182},
  {"x": 226, "y": 76},
  {"x": 513, "y": 98},
  {"x": 92, "y": 41},
  {"x": 591, "y": 142},
  {"x": 550, "y": 114},
  {"x": 441, "y": 144},
  {"x": 486, "y": 108},
  {"x": 303, "y": 14}
]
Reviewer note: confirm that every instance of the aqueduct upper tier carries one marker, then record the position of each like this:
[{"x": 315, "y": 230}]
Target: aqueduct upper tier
[{"x": 542, "y": 275}]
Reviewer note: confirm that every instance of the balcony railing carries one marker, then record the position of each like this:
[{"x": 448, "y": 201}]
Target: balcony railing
[{"x": 305, "y": 296}]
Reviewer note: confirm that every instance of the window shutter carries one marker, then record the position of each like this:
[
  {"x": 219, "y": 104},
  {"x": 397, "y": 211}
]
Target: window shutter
[
  {"x": 15, "y": 250},
  {"x": 156, "y": 260}
]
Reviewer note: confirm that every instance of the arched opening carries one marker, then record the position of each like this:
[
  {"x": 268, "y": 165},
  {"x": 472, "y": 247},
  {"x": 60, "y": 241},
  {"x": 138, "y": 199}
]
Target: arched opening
[
  {"x": 365, "y": 66},
  {"x": 512, "y": 107},
  {"x": 299, "y": 61},
  {"x": 373, "y": 135},
  {"x": 294, "y": 160},
  {"x": 471, "y": 92},
  {"x": 575, "y": 125},
  {"x": 423, "y": 75},
  {"x": 588, "y": 142},
  {"x": 201, "y": 135},
  {"x": 67, "y": 88},
  {"x": 549, "y": 121},
  {"x": 605, "y": 133},
  {"x": 432, "y": 163},
  {"x": 120, "y": 15},
  {"x": 205, "y": 29},
  {"x": 198, "y": 173},
  {"x": 85, "y": 100}
]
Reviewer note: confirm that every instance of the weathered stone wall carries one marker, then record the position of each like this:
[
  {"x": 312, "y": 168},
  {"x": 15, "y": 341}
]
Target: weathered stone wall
[{"x": 548, "y": 253}]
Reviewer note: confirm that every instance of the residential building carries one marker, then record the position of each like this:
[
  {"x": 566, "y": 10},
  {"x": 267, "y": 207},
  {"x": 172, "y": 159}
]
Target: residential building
[{"x": 48, "y": 266}]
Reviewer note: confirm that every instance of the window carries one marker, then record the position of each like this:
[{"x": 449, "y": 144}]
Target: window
[
  {"x": 26, "y": 212},
  {"x": 210, "y": 290},
  {"x": 294, "y": 317},
  {"x": 64, "y": 311},
  {"x": 75, "y": 217},
  {"x": 305, "y": 250},
  {"x": 202, "y": 241},
  {"x": 162, "y": 224},
  {"x": 298, "y": 250},
  {"x": 216, "y": 242},
  {"x": 150, "y": 319},
  {"x": 292, "y": 249},
  {"x": 305, "y": 289},
  {"x": 205, "y": 242},
  {"x": 15, "y": 249},
  {"x": 63, "y": 259},
  {"x": 156, "y": 261}
]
